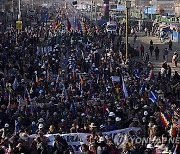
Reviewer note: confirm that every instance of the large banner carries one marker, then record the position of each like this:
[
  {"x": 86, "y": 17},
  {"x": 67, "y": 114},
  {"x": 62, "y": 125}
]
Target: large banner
[{"x": 76, "y": 139}]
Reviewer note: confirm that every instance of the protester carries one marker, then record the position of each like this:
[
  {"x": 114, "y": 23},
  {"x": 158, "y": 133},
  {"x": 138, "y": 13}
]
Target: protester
[
  {"x": 156, "y": 53},
  {"x": 77, "y": 94},
  {"x": 175, "y": 58}
]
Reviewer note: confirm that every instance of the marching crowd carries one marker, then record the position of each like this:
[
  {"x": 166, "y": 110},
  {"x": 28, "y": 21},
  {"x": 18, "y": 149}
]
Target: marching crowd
[{"x": 81, "y": 86}]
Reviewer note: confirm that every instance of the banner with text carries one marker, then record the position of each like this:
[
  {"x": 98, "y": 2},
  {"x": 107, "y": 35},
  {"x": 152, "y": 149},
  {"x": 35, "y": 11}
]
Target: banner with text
[{"x": 76, "y": 139}]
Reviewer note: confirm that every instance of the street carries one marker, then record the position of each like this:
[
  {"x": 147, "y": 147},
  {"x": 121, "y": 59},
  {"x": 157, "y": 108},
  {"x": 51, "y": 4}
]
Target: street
[{"x": 141, "y": 39}]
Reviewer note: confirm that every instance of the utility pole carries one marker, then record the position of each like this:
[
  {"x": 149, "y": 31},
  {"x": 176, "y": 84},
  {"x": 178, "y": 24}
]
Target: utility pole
[
  {"x": 95, "y": 9},
  {"x": 32, "y": 4},
  {"x": 128, "y": 6},
  {"x": 91, "y": 10},
  {"x": 19, "y": 9},
  {"x": 12, "y": 5},
  {"x": 106, "y": 9}
]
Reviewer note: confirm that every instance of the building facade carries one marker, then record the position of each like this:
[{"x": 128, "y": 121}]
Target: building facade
[{"x": 177, "y": 7}]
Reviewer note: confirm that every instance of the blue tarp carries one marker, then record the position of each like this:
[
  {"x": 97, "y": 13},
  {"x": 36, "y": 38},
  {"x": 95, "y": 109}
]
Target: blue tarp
[
  {"x": 121, "y": 7},
  {"x": 166, "y": 29},
  {"x": 150, "y": 10},
  {"x": 101, "y": 22}
]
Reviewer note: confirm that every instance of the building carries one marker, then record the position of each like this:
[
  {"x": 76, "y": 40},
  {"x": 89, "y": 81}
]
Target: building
[
  {"x": 167, "y": 5},
  {"x": 177, "y": 7}
]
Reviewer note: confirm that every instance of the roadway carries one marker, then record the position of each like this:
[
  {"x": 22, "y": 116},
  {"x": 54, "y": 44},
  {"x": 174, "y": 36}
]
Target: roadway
[{"x": 157, "y": 64}]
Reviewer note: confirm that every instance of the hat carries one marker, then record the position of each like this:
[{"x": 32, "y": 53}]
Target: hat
[
  {"x": 135, "y": 119},
  {"x": 149, "y": 146},
  {"x": 6, "y": 125},
  {"x": 92, "y": 144},
  {"x": 58, "y": 95},
  {"x": 40, "y": 91},
  {"x": 145, "y": 113},
  {"x": 109, "y": 119},
  {"x": 92, "y": 125},
  {"x": 23, "y": 136},
  {"x": 33, "y": 123},
  {"x": 145, "y": 106},
  {"x": 43, "y": 66},
  {"x": 52, "y": 83},
  {"x": 111, "y": 114},
  {"x": 53, "y": 98},
  {"x": 44, "y": 72},
  {"x": 3, "y": 106},
  {"x": 102, "y": 126},
  {"x": 62, "y": 120},
  {"x": 118, "y": 119},
  {"x": 101, "y": 139},
  {"x": 40, "y": 126},
  {"x": 55, "y": 114},
  {"x": 41, "y": 120},
  {"x": 83, "y": 114}
]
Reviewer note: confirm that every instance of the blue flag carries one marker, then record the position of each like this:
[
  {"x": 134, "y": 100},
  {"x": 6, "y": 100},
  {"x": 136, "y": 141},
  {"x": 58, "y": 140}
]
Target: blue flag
[
  {"x": 72, "y": 109},
  {"x": 79, "y": 26},
  {"x": 153, "y": 97},
  {"x": 17, "y": 126},
  {"x": 137, "y": 73},
  {"x": 75, "y": 23},
  {"x": 15, "y": 84},
  {"x": 141, "y": 91},
  {"x": 124, "y": 88}
]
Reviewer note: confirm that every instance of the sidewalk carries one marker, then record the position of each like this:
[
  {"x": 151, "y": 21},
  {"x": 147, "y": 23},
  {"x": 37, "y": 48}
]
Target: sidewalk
[{"x": 145, "y": 40}]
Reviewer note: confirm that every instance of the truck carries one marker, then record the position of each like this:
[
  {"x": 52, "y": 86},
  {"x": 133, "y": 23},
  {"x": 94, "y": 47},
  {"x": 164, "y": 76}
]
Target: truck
[{"x": 111, "y": 27}]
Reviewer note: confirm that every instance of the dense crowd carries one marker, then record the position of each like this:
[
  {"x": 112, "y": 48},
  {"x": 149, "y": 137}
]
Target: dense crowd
[{"x": 80, "y": 83}]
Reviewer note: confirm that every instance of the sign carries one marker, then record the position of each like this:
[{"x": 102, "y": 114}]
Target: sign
[
  {"x": 115, "y": 78},
  {"x": 76, "y": 139},
  {"x": 19, "y": 25}
]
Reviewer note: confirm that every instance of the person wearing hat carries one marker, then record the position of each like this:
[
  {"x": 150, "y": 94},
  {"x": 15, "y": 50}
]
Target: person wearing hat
[
  {"x": 92, "y": 127},
  {"x": 110, "y": 126},
  {"x": 149, "y": 149},
  {"x": 175, "y": 59},
  {"x": 135, "y": 123},
  {"x": 102, "y": 147},
  {"x": 40, "y": 146},
  {"x": 51, "y": 130},
  {"x": 84, "y": 149},
  {"x": 40, "y": 128},
  {"x": 60, "y": 145},
  {"x": 102, "y": 128}
]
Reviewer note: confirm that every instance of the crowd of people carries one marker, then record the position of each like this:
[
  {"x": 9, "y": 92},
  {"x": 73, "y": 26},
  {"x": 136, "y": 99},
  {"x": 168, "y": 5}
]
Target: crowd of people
[{"x": 81, "y": 86}]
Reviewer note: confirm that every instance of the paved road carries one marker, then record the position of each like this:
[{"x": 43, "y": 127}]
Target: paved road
[{"x": 157, "y": 64}]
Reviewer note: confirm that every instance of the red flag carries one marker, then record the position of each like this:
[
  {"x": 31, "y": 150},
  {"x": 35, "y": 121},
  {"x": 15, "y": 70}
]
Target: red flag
[
  {"x": 81, "y": 80},
  {"x": 54, "y": 23},
  {"x": 68, "y": 25},
  {"x": 105, "y": 108},
  {"x": 164, "y": 120}
]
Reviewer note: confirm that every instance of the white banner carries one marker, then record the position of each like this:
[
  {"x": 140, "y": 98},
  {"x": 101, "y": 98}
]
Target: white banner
[{"x": 75, "y": 139}]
